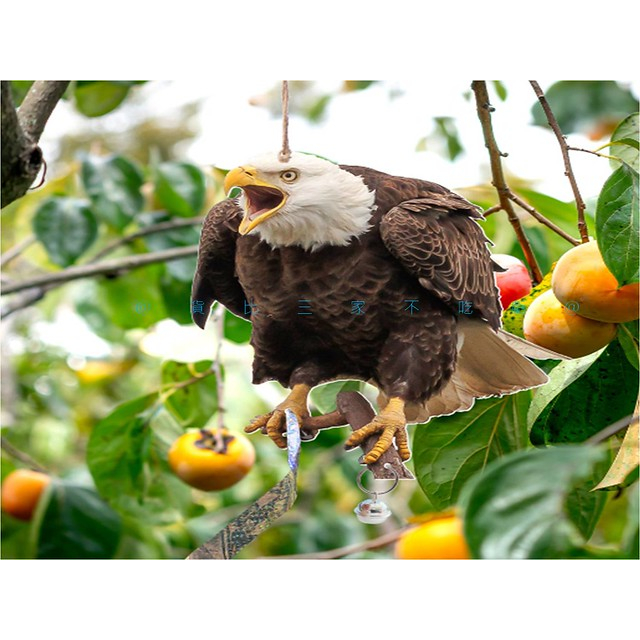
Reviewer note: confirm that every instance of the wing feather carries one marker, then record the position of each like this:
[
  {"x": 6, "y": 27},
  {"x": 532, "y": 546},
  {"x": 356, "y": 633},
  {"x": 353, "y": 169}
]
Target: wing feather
[
  {"x": 215, "y": 277},
  {"x": 438, "y": 240}
]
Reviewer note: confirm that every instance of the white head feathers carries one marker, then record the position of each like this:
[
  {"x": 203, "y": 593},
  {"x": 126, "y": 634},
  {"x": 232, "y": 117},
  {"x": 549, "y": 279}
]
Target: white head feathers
[{"x": 325, "y": 205}]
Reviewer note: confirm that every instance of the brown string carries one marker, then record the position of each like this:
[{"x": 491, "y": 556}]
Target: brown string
[{"x": 285, "y": 154}]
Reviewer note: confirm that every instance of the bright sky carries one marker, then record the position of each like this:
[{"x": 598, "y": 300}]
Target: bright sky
[{"x": 367, "y": 128}]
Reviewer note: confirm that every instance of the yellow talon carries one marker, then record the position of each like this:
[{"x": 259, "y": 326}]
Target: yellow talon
[
  {"x": 390, "y": 423},
  {"x": 274, "y": 424}
]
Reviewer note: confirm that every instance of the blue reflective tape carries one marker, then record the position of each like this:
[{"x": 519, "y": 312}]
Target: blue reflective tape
[{"x": 293, "y": 439}]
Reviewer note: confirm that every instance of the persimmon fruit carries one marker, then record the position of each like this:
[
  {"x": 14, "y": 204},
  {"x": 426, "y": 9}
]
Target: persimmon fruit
[
  {"x": 21, "y": 491},
  {"x": 440, "y": 539},
  {"x": 515, "y": 282},
  {"x": 582, "y": 280},
  {"x": 550, "y": 324},
  {"x": 194, "y": 459}
]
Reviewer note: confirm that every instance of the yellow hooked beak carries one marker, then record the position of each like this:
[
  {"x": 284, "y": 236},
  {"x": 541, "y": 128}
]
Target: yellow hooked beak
[{"x": 263, "y": 200}]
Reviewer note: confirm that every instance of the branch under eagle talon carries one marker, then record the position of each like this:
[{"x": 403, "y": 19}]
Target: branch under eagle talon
[
  {"x": 390, "y": 424},
  {"x": 388, "y": 432}
]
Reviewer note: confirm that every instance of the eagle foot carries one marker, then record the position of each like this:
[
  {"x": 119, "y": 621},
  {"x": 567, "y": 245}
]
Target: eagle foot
[
  {"x": 390, "y": 423},
  {"x": 274, "y": 424}
]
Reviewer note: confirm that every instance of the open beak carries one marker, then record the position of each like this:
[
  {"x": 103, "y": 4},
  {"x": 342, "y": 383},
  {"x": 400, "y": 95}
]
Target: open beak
[{"x": 263, "y": 200}]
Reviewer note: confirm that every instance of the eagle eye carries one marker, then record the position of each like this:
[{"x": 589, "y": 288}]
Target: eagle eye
[{"x": 289, "y": 175}]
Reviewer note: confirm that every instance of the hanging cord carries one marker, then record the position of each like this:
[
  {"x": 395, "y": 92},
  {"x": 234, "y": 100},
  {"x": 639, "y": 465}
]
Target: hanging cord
[
  {"x": 285, "y": 154},
  {"x": 218, "y": 321}
]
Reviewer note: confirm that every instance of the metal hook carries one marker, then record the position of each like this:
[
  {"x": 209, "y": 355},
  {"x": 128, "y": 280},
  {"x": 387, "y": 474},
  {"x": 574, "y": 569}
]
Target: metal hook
[{"x": 375, "y": 494}]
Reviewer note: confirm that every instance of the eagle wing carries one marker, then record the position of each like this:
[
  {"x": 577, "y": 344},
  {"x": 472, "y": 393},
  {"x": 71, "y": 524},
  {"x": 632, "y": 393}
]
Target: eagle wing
[
  {"x": 215, "y": 277},
  {"x": 437, "y": 240}
]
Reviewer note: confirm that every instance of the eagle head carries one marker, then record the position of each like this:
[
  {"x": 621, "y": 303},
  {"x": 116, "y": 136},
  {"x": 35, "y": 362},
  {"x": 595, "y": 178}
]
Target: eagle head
[{"x": 306, "y": 201}]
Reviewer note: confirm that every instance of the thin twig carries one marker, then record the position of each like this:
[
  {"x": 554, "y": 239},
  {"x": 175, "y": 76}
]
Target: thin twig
[
  {"x": 490, "y": 210},
  {"x": 16, "y": 250},
  {"x": 612, "y": 429},
  {"x": 160, "y": 227},
  {"x": 595, "y": 153},
  {"x": 484, "y": 108},
  {"x": 34, "y": 295},
  {"x": 564, "y": 148},
  {"x": 332, "y": 554},
  {"x": 25, "y": 300},
  {"x": 540, "y": 218},
  {"x": 285, "y": 154},
  {"x": 102, "y": 268},
  {"x": 21, "y": 456},
  {"x": 173, "y": 387}
]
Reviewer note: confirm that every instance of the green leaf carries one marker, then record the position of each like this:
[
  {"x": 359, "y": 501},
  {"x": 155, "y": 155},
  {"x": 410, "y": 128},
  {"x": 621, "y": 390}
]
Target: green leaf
[
  {"x": 446, "y": 128},
  {"x": 323, "y": 397},
  {"x": 629, "y": 344},
  {"x": 583, "y": 104},
  {"x": 76, "y": 524},
  {"x": 181, "y": 188},
  {"x": 192, "y": 405},
  {"x": 618, "y": 226},
  {"x": 517, "y": 508},
  {"x": 626, "y": 134},
  {"x": 584, "y": 505},
  {"x": 547, "y": 245},
  {"x": 89, "y": 304},
  {"x": 604, "y": 393},
  {"x": 182, "y": 270},
  {"x": 66, "y": 227},
  {"x": 236, "y": 329},
  {"x": 176, "y": 296},
  {"x": 357, "y": 85},
  {"x": 113, "y": 184},
  {"x": 95, "y": 98},
  {"x": 316, "y": 110},
  {"x": 133, "y": 300},
  {"x": 626, "y": 461},
  {"x": 500, "y": 89},
  {"x": 564, "y": 374},
  {"x": 127, "y": 457},
  {"x": 449, "y": 450}
]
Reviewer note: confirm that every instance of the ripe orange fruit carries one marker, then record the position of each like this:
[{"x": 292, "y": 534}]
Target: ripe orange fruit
[
  {"x": 582, "y": 277},
  {"x": 551, "y": 325},
  {"x": 21, "y": 491},
  {"x": 440, "y": 539},
  {"x": 194, "y": 460}
]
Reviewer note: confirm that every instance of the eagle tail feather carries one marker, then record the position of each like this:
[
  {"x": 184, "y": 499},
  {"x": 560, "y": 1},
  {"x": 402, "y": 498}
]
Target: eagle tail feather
[{"x": 488, "y": 365}]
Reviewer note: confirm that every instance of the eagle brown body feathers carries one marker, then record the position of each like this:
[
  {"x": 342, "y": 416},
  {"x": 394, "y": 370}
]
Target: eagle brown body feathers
[{"x": 384, "y": 308}]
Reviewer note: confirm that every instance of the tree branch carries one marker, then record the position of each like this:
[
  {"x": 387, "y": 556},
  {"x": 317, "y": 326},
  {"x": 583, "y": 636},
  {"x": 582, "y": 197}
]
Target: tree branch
[
  {"x": 102, "y": 268},
  {"x": 484, "y": 109},
  {"x": 160, "y": 227},
  {"x": 16, "y": 250},
  {"x": 38, "y": 105},
  {"x": 595, "y": 153},
  {"x": 540, "y": 218},
  {"x": 34, "y": 295},
  {"x": 15, "y": 453},
  {"x": 490, "y": 210},
  {"x": 564, "y": 148},
  {"x": 332, "y": 554},
  {"x": 612, "y": 429},
  {"x": 21, "y": 131}
]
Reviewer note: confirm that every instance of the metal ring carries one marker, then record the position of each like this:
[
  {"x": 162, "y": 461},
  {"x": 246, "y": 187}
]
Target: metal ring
[{"x": 379, "y": 493}]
